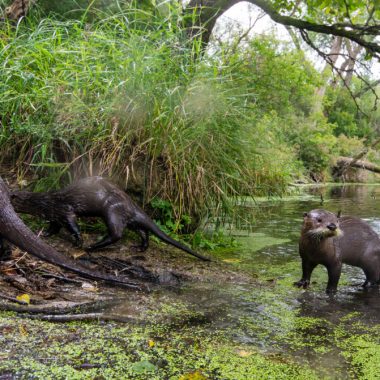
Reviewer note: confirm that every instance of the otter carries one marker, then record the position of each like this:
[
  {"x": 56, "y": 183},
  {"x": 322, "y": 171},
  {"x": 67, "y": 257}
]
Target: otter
[
  {"x": 93, "y": 196},
  {"x": 13, "y": 229},
  {"x": 331, "y": 240}
]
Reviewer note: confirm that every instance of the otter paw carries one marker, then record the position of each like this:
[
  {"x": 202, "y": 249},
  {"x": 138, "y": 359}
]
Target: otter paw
[
  {"x": 370, "y": 284},
  {"x": 302, "y": 283},
  {"x": 78, "y": 243},
  {"x": 138, "y": 248},
  {"x": 331, "y": 290}
]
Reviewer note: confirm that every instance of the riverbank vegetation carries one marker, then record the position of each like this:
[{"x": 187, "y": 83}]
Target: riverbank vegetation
[
  {"x": 122, "y": 91},
  {"x": 192, "y": 127}
]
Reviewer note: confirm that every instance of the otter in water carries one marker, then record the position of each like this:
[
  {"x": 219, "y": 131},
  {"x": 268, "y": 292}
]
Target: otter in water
[
  {"x": 13, "y": 229},
  {"x": 331, "y": 240},
  {"x": 93, "y": 196}
]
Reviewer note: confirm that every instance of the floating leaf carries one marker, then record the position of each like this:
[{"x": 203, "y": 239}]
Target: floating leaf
[
  {"x": 23, "y": 330},
  {"x": 143, "y": 366},
  {"x": 232, "y": 260},
  {"x": 244, "y": 353},
  {"x": 24, "y": 298}
]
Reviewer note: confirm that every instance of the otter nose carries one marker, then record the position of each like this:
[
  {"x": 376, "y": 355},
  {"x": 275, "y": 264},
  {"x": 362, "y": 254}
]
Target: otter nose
[{"x": 332, "y": 226}]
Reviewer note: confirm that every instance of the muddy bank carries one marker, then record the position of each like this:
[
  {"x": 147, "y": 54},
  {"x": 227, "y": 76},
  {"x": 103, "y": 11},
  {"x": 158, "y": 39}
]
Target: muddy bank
[{"x": 160, "y": 266}]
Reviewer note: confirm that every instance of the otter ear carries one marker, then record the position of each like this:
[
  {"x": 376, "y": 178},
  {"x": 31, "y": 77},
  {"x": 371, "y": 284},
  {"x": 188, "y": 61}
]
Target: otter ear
[
  {"x": 339, "y": 214},
  {"x": 305, "y": 214}
]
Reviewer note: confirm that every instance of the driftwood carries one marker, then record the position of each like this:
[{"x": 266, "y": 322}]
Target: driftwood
[
  {"x": 348, "y": 162},
  {"x": 84, "y": 317},
  {"x": 12, "y": 299},
  {"x": 344, "y": 163},
  {"x": 57, "y": 308}
]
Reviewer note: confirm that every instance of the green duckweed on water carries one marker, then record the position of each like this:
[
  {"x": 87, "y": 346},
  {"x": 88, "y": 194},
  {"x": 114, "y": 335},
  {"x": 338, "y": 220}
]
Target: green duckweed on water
[
  {"x": 44, "y": 350},
  {"x": 270, "y": 339},
  {"x": 261, "y": 329}
]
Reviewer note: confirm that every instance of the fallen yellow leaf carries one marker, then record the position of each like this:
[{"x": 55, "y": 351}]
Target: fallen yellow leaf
[
  {"x": 197, "y": 375},
  {"x": 22, "y": 330},
  {"x": 244, "y": 353},
  {"x": 232, "y": 260},
  {"x": 24, "y": 298},
  {"x": 151, "y": 343}
]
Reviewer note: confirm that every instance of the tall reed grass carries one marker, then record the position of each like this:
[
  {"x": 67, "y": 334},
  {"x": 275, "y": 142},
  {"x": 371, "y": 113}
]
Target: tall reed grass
[{"x": 124, "y": 96}]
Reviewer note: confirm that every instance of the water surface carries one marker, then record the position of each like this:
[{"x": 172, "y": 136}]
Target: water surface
[{"x": 325, "y": 333}]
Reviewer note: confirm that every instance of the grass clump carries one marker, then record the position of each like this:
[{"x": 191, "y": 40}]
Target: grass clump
[{"x": 123, "y": 96}]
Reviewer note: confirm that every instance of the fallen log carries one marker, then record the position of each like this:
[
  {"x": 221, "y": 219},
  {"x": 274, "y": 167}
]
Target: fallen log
[{"x": 347, "y": 162}]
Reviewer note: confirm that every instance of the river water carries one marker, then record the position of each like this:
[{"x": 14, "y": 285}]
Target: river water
[
  {"x": 247, "y": 322},
  {"x": 323, "y": 332},
  {"x": 335, "y": 336}
]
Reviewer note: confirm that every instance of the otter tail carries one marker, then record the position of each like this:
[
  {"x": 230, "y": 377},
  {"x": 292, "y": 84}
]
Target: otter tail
[{"x": 148, "y": 224}]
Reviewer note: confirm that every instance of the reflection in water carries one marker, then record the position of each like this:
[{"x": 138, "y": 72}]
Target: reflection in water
[{"x": 364, "y": 301}]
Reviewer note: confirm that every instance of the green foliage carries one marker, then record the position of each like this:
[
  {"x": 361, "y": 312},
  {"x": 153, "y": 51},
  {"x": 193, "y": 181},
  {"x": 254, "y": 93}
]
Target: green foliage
[
  {"x": 315, "y": 143},
  {"x": 274, "y": 76},
  {"x": 165, "y": 219},
  {"x": 342, "y": 111},
  {"x": 332, "y": 11},
  {"x": 281, "y": 84},
  {"x": 122, "y": 96},
  {"x": 349, "y": 146}
]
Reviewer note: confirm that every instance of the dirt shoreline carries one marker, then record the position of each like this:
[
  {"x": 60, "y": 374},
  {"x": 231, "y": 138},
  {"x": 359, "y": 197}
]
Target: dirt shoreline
[{"x": 159, "y": 267}]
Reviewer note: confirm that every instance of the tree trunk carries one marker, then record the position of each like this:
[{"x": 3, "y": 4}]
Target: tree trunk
[
  {"x": 344, "y": 163},
  {"x": 348, "y": 162},
  {"x": 349, "y": 64},
  {"x": 326, "y": 72}
]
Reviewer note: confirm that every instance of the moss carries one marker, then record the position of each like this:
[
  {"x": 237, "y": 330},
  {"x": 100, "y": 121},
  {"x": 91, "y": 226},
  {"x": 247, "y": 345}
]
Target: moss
[
  {"x": 93, "y": 350},
  {"x": 260, "y": 329},
  {"x": 257, "y": 241}
]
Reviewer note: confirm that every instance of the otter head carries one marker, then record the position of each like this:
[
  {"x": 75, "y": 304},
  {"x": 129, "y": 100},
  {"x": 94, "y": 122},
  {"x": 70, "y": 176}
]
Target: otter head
[
  {"x": 321, "y": 224},
  {"x": 18, "y": 200}
]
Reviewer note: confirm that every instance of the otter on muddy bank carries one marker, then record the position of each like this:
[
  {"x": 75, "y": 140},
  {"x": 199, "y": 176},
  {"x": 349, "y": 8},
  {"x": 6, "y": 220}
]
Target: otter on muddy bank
[
  {"x": 13, "y": 229},
  {"x": 93, "y": 196},
  {"x": 331, "y": 240}
]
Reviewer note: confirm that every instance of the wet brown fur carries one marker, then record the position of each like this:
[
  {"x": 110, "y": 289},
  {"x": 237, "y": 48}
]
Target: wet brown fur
[
  {"x": 331, "y": 241},
  {"x": 13, "y": 229},
  {"x": 93, "y": 196}
]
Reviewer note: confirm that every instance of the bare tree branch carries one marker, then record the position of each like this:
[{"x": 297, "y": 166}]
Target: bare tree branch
[
  {"x": 209, "y": 10},
  {"x": 368, "y": 87}
]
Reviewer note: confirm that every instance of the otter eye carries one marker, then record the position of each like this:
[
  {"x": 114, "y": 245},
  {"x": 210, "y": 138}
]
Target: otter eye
[{"x": 319, "y": 220}]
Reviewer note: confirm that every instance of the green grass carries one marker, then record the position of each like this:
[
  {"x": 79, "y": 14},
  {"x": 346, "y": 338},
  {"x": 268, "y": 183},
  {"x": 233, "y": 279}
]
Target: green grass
[{"x": 124, "y": 96}]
